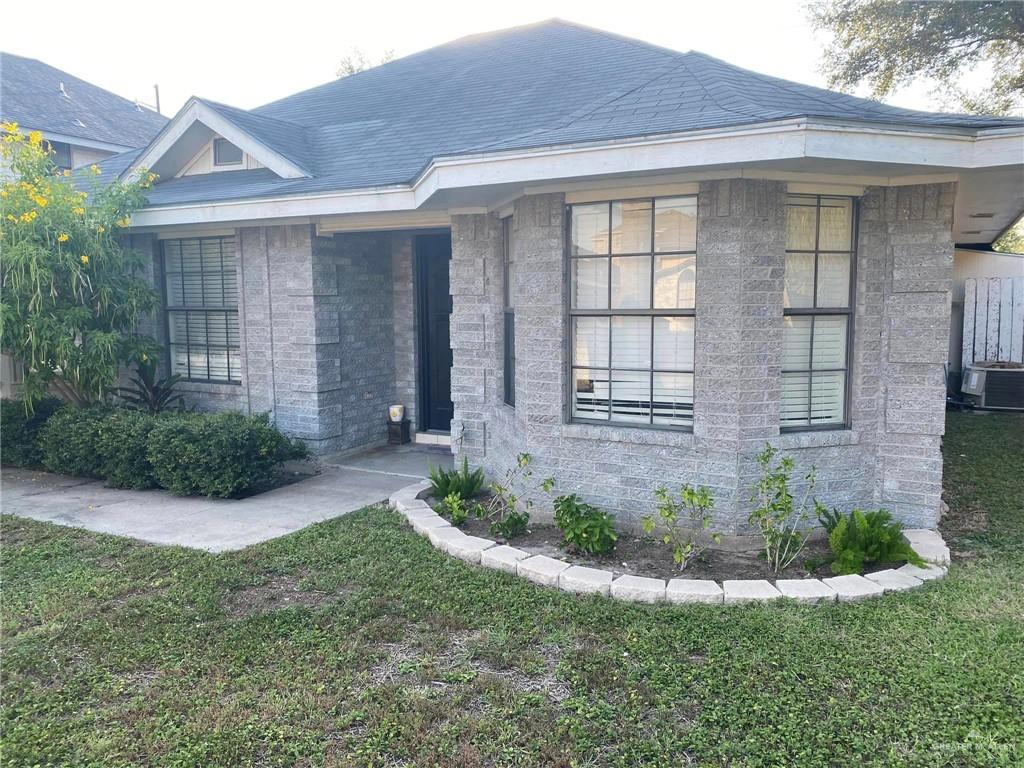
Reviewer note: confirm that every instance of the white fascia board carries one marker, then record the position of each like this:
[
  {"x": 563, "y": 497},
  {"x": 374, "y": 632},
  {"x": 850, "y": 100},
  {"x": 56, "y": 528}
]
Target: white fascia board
[
  {"x": 77, "y": 141},
  {"x": 573, "y": 164},
  {"x": 195, "y": 111}
]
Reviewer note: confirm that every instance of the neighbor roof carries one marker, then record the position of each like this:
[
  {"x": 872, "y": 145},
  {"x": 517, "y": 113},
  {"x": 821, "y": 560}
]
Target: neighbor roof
[
  {"x": 544, "y": 84},
  {"x": 30, "y": 95}
]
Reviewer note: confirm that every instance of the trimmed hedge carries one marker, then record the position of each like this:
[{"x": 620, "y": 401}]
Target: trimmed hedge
[
  {"x": 19, "y": 432},
  {"x": 69, "y": 442},
  {"x": 221, "y": 455}
]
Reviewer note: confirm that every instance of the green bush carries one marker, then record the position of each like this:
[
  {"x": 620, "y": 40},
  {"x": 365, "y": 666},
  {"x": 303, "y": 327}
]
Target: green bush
[
  {"x": 19, "y": 431},
  {"x": 863, "y": 538},
  {"x": 69, "y": 441},
  {"x": 122, "y": 444},
  {"x": 686, "y": 521},
  {"x": 584, "y": 526},
  {"x": 220, "y": 455},
  {"x": 460, "y": 481}
]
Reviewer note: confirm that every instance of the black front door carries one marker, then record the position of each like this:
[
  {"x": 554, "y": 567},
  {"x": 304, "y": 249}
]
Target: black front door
[{"x": 433, "y": 252}]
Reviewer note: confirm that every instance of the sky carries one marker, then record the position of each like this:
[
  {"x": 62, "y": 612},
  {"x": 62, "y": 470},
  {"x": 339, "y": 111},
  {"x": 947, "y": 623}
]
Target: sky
[{"x": 248, "y": 54}]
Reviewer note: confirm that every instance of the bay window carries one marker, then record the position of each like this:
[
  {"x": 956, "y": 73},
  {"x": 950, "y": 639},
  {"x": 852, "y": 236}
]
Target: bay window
[
  {"x": 632, "y": 267},
  {"x": 817, "y": 301},
  {"x": 200, "y": 281}
]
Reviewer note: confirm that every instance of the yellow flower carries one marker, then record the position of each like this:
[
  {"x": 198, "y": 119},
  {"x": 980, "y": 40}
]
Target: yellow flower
[
  {"x": 124, "y": 222},
  {"x": 95, "y": 169},
  {"x": 11, "y": 218},
  {"x": 3, "y": 193},
  {"x": 67, "y": 172},
  {"x": 79, "y": 211},
  {"x": 84, "y": 259},
  {"x": 145, "y": 358},
  {"x": 35, "y": 138},
  {"x": 41, "y": 201},
  {"x": 100, "y": 230},
  {"x": 62, "y": 237},
  {"x": 11, "y": 127}
]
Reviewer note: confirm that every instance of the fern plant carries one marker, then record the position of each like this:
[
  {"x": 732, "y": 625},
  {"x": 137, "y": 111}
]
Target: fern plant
[
  {"x": 863, "y": 538},
  {"x": 459, "y": 481}
]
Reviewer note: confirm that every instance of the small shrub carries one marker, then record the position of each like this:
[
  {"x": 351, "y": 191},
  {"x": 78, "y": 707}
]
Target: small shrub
[
  {"x": 783, "y": 524},
  {"x": 687, "y": 522},
  {"x": 510, "y": 514},
  {"x": 584, "y": 526},
  {"x": 461, "y": 481},
  {"x": 456, "y": 508},
  {"x": 19, "y": 430},
  {"x": 220, "y": 455},
  {"x": 122, "y": 444},
  {"x": 863, "y": 538},
  {"x": 69, "y": 441}
]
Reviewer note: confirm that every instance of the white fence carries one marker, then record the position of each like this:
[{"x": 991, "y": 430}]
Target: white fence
[{"x": 993, "y": 319}]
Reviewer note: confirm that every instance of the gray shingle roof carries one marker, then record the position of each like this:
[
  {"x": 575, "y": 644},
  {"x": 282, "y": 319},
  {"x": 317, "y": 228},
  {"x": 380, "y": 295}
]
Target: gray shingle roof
[
  {"x": 549, "y": 83},
  {"x": 30, "y": 95}
]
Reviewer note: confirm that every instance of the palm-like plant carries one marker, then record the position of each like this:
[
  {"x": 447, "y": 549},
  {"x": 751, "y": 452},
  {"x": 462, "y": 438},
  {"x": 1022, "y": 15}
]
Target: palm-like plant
[{"x": 149, "y": 393}]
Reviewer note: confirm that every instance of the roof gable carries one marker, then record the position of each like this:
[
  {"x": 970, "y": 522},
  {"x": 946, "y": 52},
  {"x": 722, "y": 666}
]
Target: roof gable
[
  {"x": 31, "y": 94},
  {"x": 281, "y": 147}
]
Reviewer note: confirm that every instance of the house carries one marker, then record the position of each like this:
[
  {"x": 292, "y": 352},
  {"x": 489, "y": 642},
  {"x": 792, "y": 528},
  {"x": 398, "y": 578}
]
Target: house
[
  {"x": 82, "y": 122},
  {"x": 634, "y": 264}
]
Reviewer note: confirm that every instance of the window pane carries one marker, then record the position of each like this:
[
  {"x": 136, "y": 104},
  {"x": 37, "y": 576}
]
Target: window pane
[
  {"x": 675, "y": 224},
  {"x": 673, "y": 398},
  {"x": 631, "y": 396},
  {"x": 675, "y": 279},
  {"x": 827, "y": 397},
  {"x": 631, "y": 227},
  {"x": 590, "y": 283},
  {"x": 833, "y": 280},
  {"x": 829, "y": 342},
  {"x": 836, "y": 227},
  {"x": 796, "y": 343},
  {"x": 590, "y": 394},
  {"x": 799, "y": 280},
  {"x": 590, "y": 346},
  {"x": 631, "y": 342},
  {"x": 800, "y": 224},
  {"x": 793, "y": 408},
  {"x": 631, "y": 282},
  {"x": 218, "y": 364},
  {"x": 179, "y": 360},
  {"x": 226, "y": 153},
  {"x": 176, "y": 327},
  {"x": 673, "y": 343},
  {"x": 589, "y": 229}
]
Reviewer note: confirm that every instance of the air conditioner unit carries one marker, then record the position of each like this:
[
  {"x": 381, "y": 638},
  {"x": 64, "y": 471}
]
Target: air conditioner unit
[{"x": 991, "y": 384}]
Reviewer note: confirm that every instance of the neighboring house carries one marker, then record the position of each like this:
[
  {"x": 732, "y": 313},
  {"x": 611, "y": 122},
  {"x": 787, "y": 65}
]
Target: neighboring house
[
  {"x": 83, "y": 123},
  {"x": 636, "y": 265}
]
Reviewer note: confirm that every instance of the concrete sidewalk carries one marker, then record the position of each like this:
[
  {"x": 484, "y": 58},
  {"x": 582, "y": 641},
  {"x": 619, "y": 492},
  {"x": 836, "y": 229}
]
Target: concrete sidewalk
[{"x": 215, "y": 525}]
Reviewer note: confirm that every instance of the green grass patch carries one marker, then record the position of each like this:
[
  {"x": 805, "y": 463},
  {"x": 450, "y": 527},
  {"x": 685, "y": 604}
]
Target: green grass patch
[{"x": 354, "y": 643}]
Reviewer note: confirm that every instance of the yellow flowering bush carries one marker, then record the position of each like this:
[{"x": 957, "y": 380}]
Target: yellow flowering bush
[{"x": 71, "y": 290}]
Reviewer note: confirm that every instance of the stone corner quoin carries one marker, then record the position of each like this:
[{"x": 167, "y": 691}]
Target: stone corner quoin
[{"x": 583, "y": 580}]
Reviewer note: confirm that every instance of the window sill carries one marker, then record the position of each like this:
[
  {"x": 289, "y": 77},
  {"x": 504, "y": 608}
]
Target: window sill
[
  {"x": 820, "y": 438},
  {"x": 675, "y": 438},
  {"x": 209, "y": 387}
]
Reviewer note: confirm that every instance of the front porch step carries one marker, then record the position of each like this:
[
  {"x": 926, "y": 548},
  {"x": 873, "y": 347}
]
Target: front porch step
[{"x": 433, "y": 438}]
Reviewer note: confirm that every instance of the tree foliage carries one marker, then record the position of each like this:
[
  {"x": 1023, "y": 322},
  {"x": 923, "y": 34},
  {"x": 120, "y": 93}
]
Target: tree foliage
[
  {"x": 887, "y": 44},
  {"x": 356, "y": 61},
  {"x": 71, "y": 295}
]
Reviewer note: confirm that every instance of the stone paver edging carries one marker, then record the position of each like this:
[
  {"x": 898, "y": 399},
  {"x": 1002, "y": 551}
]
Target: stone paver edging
[{"x": 551, "y": 572}]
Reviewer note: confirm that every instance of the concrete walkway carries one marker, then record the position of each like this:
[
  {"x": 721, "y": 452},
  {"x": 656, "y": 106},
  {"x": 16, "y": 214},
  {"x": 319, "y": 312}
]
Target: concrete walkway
[{"x": 215, "y": 525}]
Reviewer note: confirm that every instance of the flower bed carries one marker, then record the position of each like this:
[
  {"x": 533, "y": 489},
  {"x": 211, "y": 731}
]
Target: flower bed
[{"x": 619, "y": 582}]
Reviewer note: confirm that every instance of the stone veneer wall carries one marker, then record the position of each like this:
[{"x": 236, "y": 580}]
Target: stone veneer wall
[
  {"x": 889, "y": 457},
  {"x": 318, "y": 317}
]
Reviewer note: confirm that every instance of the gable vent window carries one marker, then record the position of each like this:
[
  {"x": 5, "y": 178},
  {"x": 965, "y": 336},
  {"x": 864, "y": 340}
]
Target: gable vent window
[
  {"x": 201, "y": 300},
  {"x": 226, "y": 153},
  {"x": 817, "y": 308},
  {"x": 632, "y": 311}
]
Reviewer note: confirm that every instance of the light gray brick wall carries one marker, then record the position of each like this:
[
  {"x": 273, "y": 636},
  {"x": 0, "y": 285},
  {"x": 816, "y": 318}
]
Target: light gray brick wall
[
  {"x": 403, "y": 300},
  {"x": 889, "y": 457}
]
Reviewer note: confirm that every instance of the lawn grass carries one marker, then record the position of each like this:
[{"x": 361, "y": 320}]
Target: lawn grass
[{"x": 353, "y": 642}]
